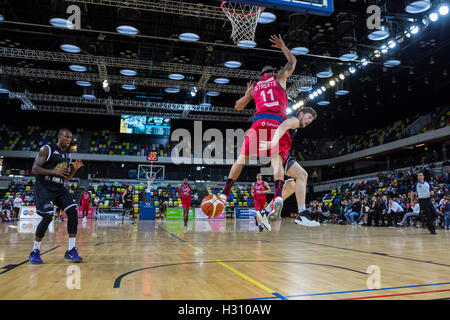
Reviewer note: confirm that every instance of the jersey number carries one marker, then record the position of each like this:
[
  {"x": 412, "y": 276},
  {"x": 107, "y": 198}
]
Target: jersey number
[{"x": 272, "y": 102}]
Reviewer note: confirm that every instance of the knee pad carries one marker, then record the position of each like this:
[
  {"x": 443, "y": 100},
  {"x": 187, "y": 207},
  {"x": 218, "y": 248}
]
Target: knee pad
[
  {"x": 43, "y": 225},
  {"x": 72, "y": 222}
]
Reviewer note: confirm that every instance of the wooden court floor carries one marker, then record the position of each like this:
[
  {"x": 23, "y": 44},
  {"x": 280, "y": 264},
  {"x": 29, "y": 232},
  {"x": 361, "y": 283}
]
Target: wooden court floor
[{"x": 225, "y": 260}]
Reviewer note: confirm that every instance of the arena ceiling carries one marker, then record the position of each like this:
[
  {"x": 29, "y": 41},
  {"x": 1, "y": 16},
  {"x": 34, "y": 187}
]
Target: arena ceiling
[{"x": 32, "y": 59}]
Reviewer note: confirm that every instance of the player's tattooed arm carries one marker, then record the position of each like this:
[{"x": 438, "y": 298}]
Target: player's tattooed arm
[
  {"x": 39, "y": 161},
  {"x": 292, "y": 60}
]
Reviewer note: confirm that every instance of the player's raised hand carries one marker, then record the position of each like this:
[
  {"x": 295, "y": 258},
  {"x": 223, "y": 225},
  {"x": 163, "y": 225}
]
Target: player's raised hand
[
  {"x": 250, "y": 87},
  {"x": 62, "y": 172},
  {"x": 77, "y": 164},
  {"x": 277, "y": 41}
]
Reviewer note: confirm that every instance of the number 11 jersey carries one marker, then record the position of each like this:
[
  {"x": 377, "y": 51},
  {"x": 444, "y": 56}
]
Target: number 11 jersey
[{"x": 270, "y": 96}]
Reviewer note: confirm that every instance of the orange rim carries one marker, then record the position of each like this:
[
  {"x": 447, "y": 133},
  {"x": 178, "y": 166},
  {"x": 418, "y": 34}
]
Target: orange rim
[{"x": 239, "y": 15}]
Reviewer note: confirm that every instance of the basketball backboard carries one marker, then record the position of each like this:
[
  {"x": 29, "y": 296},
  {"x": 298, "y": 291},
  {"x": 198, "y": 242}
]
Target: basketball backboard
[{"x": 316, "y": 7}]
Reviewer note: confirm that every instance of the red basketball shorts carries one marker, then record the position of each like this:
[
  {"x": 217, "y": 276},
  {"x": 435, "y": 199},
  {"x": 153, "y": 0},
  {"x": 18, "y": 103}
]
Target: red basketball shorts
[
  {"x": 259, "y": 204},
  {"x": 263, "y": 130},
  {"x": 85, "y": 206},
  {"x": 186, "y": 204}
]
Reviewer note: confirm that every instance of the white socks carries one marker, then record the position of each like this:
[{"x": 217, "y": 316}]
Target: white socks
[
  {"x": 71, "y": 243},
  {"x": 301, "y": 208},
  {"x": 8, "y": 214},
  {"x": 37, "y": 245}
]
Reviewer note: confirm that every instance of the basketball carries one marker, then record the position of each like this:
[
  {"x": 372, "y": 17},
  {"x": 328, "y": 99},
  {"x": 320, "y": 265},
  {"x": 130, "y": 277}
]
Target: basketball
[{"x": 212, "y": 206}]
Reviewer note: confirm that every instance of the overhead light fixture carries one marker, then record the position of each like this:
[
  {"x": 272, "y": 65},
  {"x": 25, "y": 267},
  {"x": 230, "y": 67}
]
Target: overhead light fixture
[
  {"x": 315, "y": 94},
  {"x": 176, "y": 76},
  {"x": 267, "y": 17},
  {"x": 443, "y": 9},
  {"x": 348, "y": 56},
  {"x": 311, "y": 96},
  {"x": 341, "y": 76},
  {"x": 392, "y": 63},
  {"x": 62, "y": 23},
  {"x": 319, "y": 91},
  {"x": 77, "y": 68},
  {"x": 332, "y": 83},
  {"x": 128, "y": 72},
  {"x": 414, "y": 29},
  {"x": 221, "y": 80},
  {"x": 205, "y": 104},
  {"x": 305, "y": 88},
  {"x": 5, "y": 84},
  {"x": 70, "y": 48},
  {"x": 342, "y": 92},
  {"x": 364, "y": 61},
  {"x": 172, "y": 90},
  {"x": 299, "y": 51},
  {"x": 434, "y": 17},
  {"x": 246, "y": 44},
  {"x": 377, "y": 53},
  {"x": 323, "y": 103},
  {"x": 212, "y": 93},
  {"x": 232, "y": 64},
  {"x": 129, "y": 30},
  {"x": 84, "y": 83},
  {"x": 88, "y": 93},
  {"x": 288, "y": 110},
  {"x": 380, "y": 34},
  {"x": 352, "y": 70},
  {"x": 189, "y": 36},
  {"x": 384, "y": 48},
  {"x": 323, "y": 88},
  {"x": 128, "y": 87},
  {"x": 418, "y": 6},
  {"x": 392, "y": 44}
]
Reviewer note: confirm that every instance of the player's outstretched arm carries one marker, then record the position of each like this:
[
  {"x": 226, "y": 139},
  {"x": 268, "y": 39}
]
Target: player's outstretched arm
[
  {"x": 290, "y": 123},
  {"x": 289, "y": 68},
  {"x": 242, "y": 102}
]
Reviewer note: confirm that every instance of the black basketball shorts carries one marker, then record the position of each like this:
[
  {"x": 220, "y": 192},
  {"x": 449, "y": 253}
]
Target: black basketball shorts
[{"x": 48, "y": 196}]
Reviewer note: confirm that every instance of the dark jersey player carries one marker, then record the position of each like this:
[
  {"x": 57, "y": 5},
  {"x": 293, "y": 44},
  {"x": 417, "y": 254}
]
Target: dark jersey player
[{"x": 53, "y": 167}]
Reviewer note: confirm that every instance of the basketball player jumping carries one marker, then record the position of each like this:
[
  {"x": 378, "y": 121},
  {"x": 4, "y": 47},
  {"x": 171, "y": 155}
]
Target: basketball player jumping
[
  {"x": 52, "y": 168},
  {"x": 292, "y": 167},
  {"x": 186, "y": 200},
  {"x": 271, "y": 101}
]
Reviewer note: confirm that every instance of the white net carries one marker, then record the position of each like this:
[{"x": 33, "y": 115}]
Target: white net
[{"x": 244, "y": 19}]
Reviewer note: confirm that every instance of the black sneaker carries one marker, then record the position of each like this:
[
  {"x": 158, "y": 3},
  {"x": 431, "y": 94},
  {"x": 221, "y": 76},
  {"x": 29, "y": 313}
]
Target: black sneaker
[{"x": 303, "y": 218}]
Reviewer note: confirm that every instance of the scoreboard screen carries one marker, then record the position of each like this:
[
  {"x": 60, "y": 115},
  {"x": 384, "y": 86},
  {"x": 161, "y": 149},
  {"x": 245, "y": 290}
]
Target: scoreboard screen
[{"x": 158, "y": 126}]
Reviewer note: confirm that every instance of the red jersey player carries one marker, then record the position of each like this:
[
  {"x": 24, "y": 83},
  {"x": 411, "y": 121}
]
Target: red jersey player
[
  {"x": 259, "y": 191},
  {"x": 271, "y": 101},
  {"x": 186, "y": 199},
  {"x": 85, "y": 200}
]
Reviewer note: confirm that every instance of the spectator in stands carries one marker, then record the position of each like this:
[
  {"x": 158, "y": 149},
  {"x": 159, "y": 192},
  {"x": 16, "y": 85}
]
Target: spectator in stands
[
  {"x": 325, "y": 212},
  {"x": 18, "y": 202},
  {"x": 342, "y": 207},
  {"x": 414, "y": 213},
  {"x": 7, "y": 210},
  {"x": 2, "y": 215},
  {"x": 446, "y": 212},
  {"x": 384, "y": 206},
  {"x": 372, "y": 211},
  {"x": 355, "y": 211},
  {"x": 394, "y": 210}
]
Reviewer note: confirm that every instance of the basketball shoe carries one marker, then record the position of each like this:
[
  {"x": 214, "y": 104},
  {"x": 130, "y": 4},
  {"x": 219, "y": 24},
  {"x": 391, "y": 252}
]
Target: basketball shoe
[
  {"x": 35, "y": 257},
  {"x": 303, "y": 218},
  {"x": 73, "y": 255}
]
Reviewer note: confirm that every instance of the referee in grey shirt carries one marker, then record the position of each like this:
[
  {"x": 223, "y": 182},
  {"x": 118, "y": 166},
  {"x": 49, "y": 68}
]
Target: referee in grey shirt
[{"x": 424, "y": 193}]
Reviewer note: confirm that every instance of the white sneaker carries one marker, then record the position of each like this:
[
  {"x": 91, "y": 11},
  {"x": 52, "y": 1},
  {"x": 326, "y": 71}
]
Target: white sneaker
[
  {"x": 265, "y": 222},
  {"x": 303, "y": 218},
  {"x": 277, "y": 207},
  {"x": 84, "y": 219}
]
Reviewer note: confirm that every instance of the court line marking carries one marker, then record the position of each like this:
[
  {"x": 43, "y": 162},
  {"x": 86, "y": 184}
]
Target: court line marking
[
  {"x": 396, "y": 295},
  {"x": 354, "y": 291},
  {"x": 10, "y": 267}
]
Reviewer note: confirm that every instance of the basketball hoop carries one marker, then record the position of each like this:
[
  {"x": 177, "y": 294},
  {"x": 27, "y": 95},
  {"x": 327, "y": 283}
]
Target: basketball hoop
[
  {"x": 244, "y": 19},
  {"x": 150, "y": 180}
]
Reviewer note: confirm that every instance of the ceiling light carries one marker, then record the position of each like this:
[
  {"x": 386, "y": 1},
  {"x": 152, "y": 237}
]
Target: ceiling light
[
  {"x": 172, "y": 90},
  {"x": 364, "y": 61},
  {"x": 443, "y": 9},
  {"x": 70, "y": 48},
  {"x": 341, "y": 76},
  {"x": 418, "y": 6},
  {"x": 352, "y": 70},
  {"x": 315, "y": 94},
  {"x": 342, "y": 92},
  {"x": 189, "y": 36},
  {"x": 414, "y": 29},
  {"x": 392, "y": 63},
  {"x": 77, "y": 68},
  {"x": 299, "y": 51},
  {"x": 88, "y": 96},
  {"x": 288, "y": 110},
  {"x": 392, "y": 44},
  {"x": 377, "y": 53},
  {"x": 232, "y": 64},
  {"x": 434, "y": 16},
  {"x": 348, "y": 57},
  {"x": 323, "y": 103},
  {"x": 319, "y": 91},
  {"x": 221, "y": 80},
  {"x": 305, "y": 88},
  {"x": 128, "y": 72},
  {"x": 332, "y": 83},
  {"x": 176, "y": 76},
  {"x": 128, "y": 86},
  {"x": 380, "y": 34},
  {"x": 323, "y": 88},
  {"x": 246, "y": 44},
  {"x": 311, "y": 96},
  {"x": 267, "y": 17},
  {"x": 62, "y": 23},
  {"x": 324, "y": 74},
  {"x": 205, "y": 104},
  {"x": 127, "y": 30},
  {"x": 212, "y": 93},
  {"x": 84, "y": 83}
]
